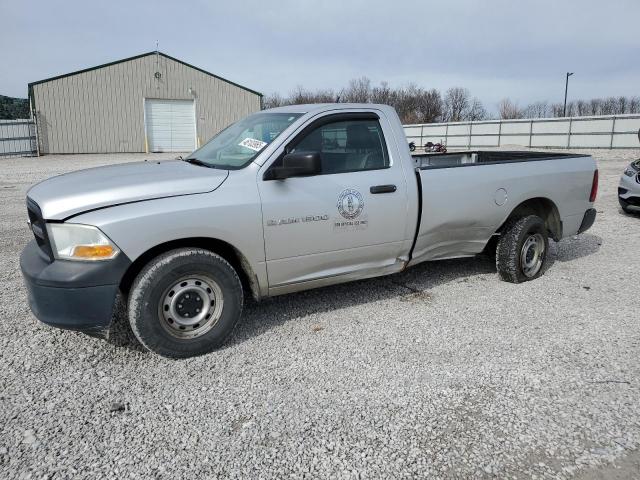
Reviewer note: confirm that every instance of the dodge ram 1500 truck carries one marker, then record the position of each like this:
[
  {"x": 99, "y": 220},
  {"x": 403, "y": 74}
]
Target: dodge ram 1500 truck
[{"x": 286, "y": 199}]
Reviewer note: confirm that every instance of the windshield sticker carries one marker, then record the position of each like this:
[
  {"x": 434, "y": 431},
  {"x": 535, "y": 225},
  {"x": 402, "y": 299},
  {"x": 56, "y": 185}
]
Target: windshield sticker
[{"x": 253, "y": 144}]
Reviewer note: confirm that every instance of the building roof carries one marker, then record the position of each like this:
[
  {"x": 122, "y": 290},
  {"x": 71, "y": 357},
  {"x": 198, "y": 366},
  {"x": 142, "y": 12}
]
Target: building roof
[{"x": 140, "y": 56}]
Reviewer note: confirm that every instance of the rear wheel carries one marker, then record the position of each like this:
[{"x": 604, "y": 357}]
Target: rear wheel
[
  {"x": 522, "y": 249},
  {"x": 185, "y": 302}
]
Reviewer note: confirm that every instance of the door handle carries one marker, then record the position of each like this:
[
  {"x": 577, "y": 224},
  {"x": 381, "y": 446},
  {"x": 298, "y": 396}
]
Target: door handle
[{"x": 383, "y": 189}]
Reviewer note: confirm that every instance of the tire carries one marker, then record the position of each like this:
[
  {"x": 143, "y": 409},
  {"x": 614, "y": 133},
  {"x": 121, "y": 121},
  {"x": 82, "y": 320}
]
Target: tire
[
  {"x": 185, "y": 302},
  {"x": 521, "y": 254}
]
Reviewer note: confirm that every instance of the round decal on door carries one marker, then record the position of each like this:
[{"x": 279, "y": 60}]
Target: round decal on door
[{"x": 350, "y": 203}]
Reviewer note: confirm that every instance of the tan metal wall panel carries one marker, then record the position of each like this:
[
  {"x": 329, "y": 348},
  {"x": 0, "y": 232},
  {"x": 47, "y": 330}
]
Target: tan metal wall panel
[{"x": 102, "y": 110}]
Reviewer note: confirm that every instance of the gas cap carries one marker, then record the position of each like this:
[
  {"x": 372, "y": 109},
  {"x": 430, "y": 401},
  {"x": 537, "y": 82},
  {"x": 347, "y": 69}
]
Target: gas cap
[{"x": 500, "y": 197}]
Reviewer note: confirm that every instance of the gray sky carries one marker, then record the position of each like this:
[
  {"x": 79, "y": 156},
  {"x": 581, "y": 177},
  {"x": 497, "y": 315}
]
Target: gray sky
[{"x": 496, "y": 49}]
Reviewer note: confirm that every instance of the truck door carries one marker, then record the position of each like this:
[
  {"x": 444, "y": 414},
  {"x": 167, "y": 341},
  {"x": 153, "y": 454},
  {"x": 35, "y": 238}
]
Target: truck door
[{"x": 349, "y": 220}]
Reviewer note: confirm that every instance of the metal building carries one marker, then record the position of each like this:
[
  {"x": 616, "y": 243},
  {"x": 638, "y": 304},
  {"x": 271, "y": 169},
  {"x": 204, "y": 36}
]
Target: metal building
[{"x": 147, "y": 103}]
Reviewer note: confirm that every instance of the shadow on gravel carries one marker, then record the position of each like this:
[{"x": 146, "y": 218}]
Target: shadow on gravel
[
  {"x": 259, "y": 317},
  {"x": 412, "y": 284},
  {"x": 635, "y": 215},
  {"x": 120, "y": 333},
  {"x": 573, "y": 248}
]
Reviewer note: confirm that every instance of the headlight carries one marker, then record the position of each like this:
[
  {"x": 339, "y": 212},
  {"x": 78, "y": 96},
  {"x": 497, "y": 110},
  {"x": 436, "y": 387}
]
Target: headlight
[
  {"x": 629, "y": 172},
  {"x": 80, "y": 242}
]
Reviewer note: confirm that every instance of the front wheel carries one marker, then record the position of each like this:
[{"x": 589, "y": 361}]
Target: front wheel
[
  {"x": 522, "y": 249},
  {"x": 185, "y": 302}
]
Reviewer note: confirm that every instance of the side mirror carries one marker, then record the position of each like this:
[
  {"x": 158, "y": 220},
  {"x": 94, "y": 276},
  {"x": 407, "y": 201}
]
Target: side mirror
[{"x": 296, "y": 164}]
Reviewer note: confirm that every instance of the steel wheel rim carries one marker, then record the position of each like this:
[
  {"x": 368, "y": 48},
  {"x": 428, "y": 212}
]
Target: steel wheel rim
[
  {"x": 532, "y": 255},
  {"x": 191, "y": 306}
]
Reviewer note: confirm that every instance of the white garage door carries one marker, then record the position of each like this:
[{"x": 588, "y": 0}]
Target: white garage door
[{"x": 170, "y": 125}]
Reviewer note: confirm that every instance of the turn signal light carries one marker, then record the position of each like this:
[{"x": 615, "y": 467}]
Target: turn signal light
[{"x": 93, "y": 252}]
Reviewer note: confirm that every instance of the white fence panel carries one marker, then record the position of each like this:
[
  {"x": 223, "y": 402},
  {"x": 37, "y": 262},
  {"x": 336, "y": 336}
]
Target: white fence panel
[
  {"x": 625, "y": 140},
  {"x": 627, "y": 125},
  {"x": 435, "y": 130},
  {"x": 510, "y": 128},
  {"x": 553, "y": 127},
  {"x": 607, "y": 131},
  {"x": 17, "y": 137}
]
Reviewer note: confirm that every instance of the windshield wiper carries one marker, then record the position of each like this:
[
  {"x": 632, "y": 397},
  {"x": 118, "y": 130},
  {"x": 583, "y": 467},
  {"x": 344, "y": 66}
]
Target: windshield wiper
[{"x": 195, "y": 161}]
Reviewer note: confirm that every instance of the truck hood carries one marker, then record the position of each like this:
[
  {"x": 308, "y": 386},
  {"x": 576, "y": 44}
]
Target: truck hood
[{"x": 73, "y": 193}]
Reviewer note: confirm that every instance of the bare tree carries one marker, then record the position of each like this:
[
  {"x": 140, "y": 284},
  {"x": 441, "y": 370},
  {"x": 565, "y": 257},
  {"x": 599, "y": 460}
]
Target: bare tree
[
  {"x": 382, "y": 94},
  {"x": 508, "y": 109},
  {"x": 273, "y": 100},
  {"x": 358, "y": 91},
  {"x": 623, "y": 105},
  {"x": 537, "y": 110},
  {"x": 582, "y": 108},
  {"x": 300, "y": 96},
  {"x": 609, "y": 106},
  {"x": 415, "y": 104},
  {"x": 557, "y": 110},
  {"x": 572, "y": 109},
  {"x": 456, "y": 103},
  {"x": 476, "y": 111},
  {"x": 429, "y": 106},
  {"x": 595, "y": 106}
]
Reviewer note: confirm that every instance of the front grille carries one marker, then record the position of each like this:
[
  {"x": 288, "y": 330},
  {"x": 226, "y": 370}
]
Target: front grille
[{"x": 39, "y": 227}]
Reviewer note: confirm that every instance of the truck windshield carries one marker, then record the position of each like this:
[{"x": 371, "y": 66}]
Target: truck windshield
[{"x": 237, "y": 145}]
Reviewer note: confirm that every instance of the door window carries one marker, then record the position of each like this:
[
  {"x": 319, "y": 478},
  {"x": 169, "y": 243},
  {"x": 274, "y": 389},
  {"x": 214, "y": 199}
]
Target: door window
[{"x": 347, "y": 146}]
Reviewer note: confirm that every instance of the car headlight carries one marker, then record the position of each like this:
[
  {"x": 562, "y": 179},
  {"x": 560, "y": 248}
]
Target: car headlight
[
  {"x": 80, "y": 242},
  {"x": 630, "y": 171}
]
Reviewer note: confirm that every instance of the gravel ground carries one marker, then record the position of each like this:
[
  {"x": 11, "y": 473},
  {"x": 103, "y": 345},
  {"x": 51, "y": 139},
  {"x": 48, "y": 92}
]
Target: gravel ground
[{"x": 440, "y": 371}]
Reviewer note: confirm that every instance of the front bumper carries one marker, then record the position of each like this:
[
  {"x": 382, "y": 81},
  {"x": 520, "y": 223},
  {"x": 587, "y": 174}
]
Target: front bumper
[
  {"x": 72, "y": 295},
  {"x": 629, "y": 192}
]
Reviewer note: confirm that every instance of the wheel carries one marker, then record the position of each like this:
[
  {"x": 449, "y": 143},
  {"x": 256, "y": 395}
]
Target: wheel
[
  {"x": 522, "y": 249},
  {"x": 185, "y": 302}
]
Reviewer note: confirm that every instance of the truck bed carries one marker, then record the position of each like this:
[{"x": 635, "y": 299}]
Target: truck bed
[{"x": 461, "y": 208}]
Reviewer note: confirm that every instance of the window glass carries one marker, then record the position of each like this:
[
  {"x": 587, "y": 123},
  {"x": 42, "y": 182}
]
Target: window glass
[
  {"x": 237, "y": 145},
  {"x": 347, "y": 146}
]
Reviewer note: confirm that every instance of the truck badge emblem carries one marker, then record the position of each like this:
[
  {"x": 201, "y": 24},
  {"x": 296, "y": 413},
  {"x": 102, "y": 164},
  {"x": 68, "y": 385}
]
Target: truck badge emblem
[{"x": 350, "y": 203}]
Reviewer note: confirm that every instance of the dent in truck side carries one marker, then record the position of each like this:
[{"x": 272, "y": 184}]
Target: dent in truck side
[{"x": 464, "y": 206}]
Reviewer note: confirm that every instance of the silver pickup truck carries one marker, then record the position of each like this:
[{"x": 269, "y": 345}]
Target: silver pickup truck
[{"x": 286, "y": 199}]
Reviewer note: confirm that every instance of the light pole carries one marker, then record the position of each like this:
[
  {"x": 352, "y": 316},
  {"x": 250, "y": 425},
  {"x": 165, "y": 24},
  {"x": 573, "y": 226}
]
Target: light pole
[{"x": 566, "y": 87}]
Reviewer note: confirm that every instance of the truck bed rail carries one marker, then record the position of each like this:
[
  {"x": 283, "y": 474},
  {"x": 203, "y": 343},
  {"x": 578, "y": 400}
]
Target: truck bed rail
[{"x": 479, "y": 157}]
